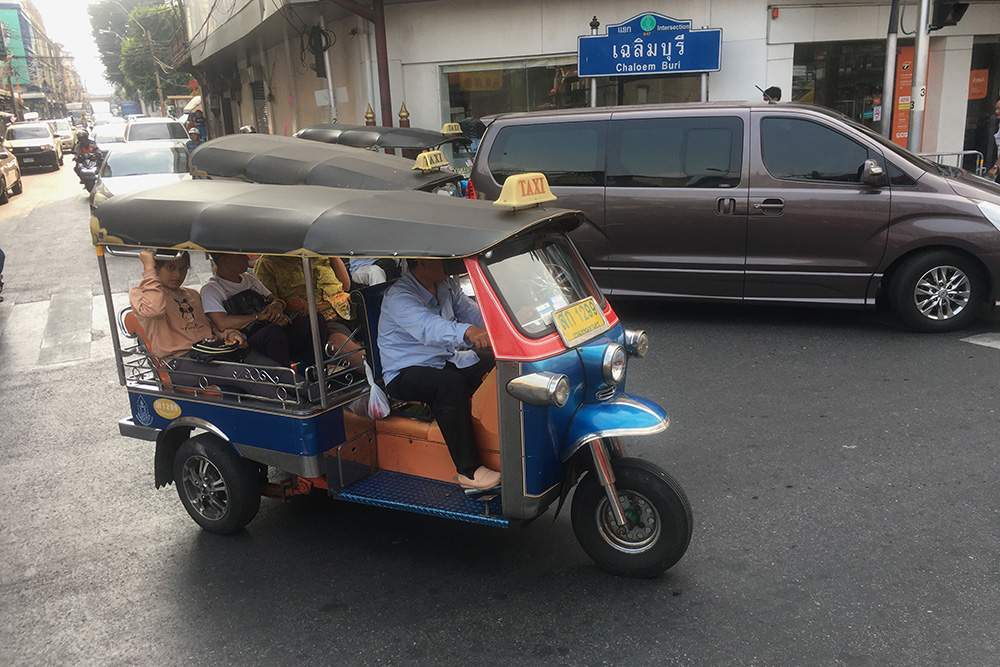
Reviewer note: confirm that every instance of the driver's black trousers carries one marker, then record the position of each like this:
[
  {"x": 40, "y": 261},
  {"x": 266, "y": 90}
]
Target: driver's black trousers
[{"x": 448, "y": 391}]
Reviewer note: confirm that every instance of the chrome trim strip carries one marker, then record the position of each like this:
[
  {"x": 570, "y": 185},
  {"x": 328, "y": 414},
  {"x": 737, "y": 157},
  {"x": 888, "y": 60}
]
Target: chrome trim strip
[{"x": 196, "y": 422}]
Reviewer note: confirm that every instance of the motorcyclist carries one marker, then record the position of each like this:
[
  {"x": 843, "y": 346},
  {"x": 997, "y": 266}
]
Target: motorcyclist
[{"x": 87, "y": 154}]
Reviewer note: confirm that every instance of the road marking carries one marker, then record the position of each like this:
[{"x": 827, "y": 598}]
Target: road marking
[{"x": 986, "y": 340}]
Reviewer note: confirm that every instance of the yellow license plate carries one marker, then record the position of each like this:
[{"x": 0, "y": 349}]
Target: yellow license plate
[{"x": 580, "y": 321}]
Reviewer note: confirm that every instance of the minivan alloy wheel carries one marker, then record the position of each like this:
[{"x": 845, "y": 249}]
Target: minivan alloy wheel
[
  {"x": 942, "y": 293},
  {"x": 937, "y": 291}
]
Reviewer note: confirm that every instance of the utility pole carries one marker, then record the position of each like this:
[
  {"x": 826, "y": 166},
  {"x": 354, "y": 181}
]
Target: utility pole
[
  {"x": 889, "y": 102},
  {"x": 918, "y": 96},
  {"x": 156, "y": 70}
]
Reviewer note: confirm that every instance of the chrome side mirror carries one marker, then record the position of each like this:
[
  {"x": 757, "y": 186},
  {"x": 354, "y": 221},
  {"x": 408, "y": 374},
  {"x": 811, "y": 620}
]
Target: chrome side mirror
[{"x": 872, "y": 174}]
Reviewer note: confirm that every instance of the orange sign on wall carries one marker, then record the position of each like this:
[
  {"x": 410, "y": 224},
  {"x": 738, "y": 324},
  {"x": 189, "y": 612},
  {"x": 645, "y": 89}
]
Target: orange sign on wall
[
  {"x": 904, "y": 86},
  {"x": 979, "y": 84}
]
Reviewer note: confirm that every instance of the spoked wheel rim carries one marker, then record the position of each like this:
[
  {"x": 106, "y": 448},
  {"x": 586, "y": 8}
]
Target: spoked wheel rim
[
  {"x": 642, "y": 527},
  {"x": 942, "y": 293},
  {"x": 205, "y": 488}
]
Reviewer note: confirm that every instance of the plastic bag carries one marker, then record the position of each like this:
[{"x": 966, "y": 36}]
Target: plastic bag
[{"x": 376, "y": 404}]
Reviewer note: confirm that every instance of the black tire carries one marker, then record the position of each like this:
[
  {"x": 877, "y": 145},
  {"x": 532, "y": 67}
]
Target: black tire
[
  {"x": 660, "y": 520},
  {"x": 938, "y": 291},
  {"x": 60, "y": 160},
  {"x": 3, "y": 191},
  {"x": 220, "y": 490},
  {"x": 18, "y": 187}
]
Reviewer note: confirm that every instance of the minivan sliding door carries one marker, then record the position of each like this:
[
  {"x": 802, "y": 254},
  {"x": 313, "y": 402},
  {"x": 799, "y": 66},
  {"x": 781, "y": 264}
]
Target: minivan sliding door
[{"x": 676, "y": 203}]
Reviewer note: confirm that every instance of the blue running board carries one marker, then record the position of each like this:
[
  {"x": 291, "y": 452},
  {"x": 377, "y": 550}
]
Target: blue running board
[{"x": 398, "y": 491}]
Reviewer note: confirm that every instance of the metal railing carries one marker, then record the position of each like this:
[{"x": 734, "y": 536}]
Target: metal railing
[{"x": 958, "y": 159}]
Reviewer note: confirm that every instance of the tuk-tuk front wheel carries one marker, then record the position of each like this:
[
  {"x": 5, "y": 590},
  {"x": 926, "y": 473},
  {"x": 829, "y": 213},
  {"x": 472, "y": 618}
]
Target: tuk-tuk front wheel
[
  {"x": 659, "y": 521},
  {"x": 219, "y": 489}
]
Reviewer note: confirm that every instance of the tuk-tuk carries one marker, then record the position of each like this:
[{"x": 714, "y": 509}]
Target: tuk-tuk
[
  {"x": 551, "y": 415},
  {"x": 268, "y": 158},
  {"x": 458, "y": 147}
]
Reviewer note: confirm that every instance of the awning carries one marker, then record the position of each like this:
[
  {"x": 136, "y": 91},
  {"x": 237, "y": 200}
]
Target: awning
[{"x": 195, "y": 103}]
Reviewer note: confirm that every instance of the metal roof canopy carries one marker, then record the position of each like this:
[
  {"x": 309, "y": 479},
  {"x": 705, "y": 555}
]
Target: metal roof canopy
[
  {"x": 266, "y": 158},
  {"x": 230, "y": 216}
]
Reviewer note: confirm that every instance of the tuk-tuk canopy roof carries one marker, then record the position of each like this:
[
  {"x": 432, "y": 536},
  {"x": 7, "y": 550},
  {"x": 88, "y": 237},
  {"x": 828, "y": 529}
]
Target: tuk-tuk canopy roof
[
  {"x": 267, "y": 158},
  {"x": 378, "y": 136},
  {"x": 232, "y": 216}
]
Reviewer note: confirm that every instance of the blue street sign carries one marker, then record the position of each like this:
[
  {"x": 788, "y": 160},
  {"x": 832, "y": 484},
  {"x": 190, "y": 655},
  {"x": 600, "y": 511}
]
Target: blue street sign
[{"x": 650, "y": 43}]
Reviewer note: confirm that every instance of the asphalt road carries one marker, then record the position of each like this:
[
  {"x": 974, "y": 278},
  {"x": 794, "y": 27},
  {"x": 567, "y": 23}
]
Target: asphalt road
[{"x": 842, "y": 471}]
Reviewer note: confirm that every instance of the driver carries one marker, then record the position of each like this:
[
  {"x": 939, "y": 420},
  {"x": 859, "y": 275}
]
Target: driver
[{"x": 424, "y": 322}]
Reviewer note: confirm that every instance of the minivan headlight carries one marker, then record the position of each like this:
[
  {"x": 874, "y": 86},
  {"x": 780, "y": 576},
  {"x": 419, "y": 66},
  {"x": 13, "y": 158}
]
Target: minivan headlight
[
  {"x": 613, "y": 364},
  {"x": 991, "y": 211}
]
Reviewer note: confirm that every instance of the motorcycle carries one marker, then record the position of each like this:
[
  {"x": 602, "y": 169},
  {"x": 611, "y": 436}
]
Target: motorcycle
[{"x": 86, "y": 168}]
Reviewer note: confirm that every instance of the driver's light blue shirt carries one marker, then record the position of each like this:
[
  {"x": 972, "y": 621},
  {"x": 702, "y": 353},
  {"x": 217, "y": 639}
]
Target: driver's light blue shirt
[{"x": 415, "y": 329}]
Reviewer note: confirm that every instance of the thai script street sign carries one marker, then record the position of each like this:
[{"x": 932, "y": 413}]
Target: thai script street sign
[{"x": 650, "y": 43}]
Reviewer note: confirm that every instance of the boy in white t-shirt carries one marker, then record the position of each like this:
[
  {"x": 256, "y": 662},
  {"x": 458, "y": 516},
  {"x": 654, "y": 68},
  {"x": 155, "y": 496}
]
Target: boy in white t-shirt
[{"x": 269, "y": 331}]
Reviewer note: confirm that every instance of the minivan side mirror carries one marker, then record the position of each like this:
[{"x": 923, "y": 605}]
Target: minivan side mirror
[{"x": 872, "y": 174}]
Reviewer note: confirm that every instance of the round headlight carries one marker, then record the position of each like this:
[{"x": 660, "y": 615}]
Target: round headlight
[
  {"x": 636, "y": 342},
  {"x": 561, "y": 392},
  {"x": 613, "y": 364}
]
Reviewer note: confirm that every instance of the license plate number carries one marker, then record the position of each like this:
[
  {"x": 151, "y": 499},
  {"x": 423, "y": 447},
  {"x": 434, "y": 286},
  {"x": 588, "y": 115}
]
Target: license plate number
[
  {"x": 580, "y": 321},
  {"x": 28, "y": 160}
]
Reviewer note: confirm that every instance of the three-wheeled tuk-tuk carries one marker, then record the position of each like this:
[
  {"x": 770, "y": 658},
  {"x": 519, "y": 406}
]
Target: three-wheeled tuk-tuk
[
  {"x": 551, "y": 414},
  {"x": 266, "y": 158}
]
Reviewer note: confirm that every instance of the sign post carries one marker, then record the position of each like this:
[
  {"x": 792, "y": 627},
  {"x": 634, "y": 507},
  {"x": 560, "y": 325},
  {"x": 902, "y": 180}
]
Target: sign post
[{"x": 650, "y": 43}]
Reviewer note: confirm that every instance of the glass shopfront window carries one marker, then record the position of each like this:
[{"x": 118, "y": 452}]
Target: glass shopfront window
[
  {"x": 479, "y": 90},
  {"x": 844, "y": 76}
]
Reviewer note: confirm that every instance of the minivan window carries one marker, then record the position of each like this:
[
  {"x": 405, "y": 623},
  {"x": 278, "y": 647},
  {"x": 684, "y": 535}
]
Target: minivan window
[
  {"x": 796, "y": 149},
  {"x": 567, "y": 153},
  {"x": 675, "y": 152}
]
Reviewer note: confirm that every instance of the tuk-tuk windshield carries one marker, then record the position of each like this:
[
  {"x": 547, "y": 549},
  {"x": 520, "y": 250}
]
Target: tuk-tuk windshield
[{"x": 537, "y": 276}]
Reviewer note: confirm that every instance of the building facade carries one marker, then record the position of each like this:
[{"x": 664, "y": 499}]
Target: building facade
[
  {"x": 281, "y": 65},
  {"x": 38, "y": 72}
]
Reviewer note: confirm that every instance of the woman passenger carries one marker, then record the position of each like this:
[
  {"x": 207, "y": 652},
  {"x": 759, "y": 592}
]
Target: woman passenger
[{"x": 174, "y": 321}]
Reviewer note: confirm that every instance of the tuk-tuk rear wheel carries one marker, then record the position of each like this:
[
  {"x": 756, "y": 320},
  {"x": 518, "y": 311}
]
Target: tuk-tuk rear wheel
[
  {"x": 219, "y": 489},
  {"x": 659, "y": 517}
]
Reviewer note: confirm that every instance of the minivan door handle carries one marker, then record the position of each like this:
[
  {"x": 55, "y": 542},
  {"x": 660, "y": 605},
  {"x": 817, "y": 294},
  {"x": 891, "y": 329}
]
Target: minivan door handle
[
  {"x": 771, "y": 206},
  {"x": 725, "y": 205}
]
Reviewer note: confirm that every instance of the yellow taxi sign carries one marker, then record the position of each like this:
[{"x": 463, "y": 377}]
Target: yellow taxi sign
[
  {"x": 429, "y": 160},
  {"x": 451, "y": 128},
  {"x": 524, "y": 190}
]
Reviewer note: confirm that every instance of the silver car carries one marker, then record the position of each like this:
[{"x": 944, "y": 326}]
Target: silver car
[{"x": 138, "y": 165}]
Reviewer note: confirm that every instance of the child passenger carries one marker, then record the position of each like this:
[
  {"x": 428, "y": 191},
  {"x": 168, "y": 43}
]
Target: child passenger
[{"x": 174, "y": 321}]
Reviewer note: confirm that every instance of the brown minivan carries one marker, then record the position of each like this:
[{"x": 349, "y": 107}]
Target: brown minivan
[{"x": 778, "y": 203}]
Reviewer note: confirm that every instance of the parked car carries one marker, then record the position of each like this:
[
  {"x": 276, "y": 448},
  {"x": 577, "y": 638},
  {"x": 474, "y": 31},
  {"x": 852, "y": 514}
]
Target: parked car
[
  {"x": 63, "y": 130},
  {"x": 774, "y": 204},
  {"x": 138, "y": 165},
  {"x": 10, "y": 176},
  {"x": 146, "y": 129},
  {"x": 34, "y": 145}
]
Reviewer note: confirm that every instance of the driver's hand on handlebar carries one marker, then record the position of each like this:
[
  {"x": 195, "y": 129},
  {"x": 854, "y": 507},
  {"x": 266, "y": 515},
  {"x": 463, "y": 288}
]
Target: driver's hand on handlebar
[
  {"x": 478, "y": 337},
  {"x": 234, "y": 336}
]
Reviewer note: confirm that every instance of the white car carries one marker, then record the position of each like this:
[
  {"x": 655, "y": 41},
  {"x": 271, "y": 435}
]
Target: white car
[
  {"x": 146, "y": 129},
  {"x": 63, "y": 130},
  {"x": 108, "y": 133},
  {"x": 138, "y": 165},
  {"x": 34, "y": 145}
]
